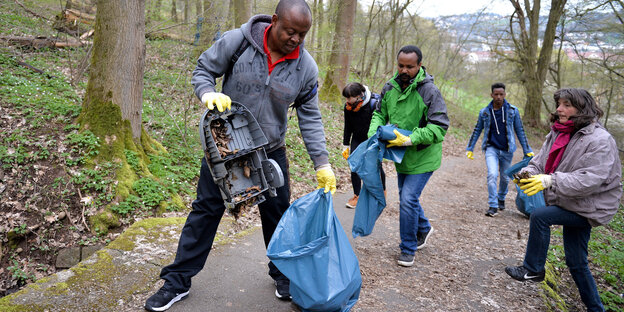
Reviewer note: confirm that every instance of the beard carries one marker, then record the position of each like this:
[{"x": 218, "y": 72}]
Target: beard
[{"x": 405, "y": 78}]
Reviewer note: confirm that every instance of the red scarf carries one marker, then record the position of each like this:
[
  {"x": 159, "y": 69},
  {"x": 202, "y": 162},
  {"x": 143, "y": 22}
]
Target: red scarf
[
  {"x": 354, "y": 106},
  {"x": 561, "y": 142}
]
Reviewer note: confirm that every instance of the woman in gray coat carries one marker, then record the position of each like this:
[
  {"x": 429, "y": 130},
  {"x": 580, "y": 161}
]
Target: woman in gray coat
[{"x": 579, "y": 171}]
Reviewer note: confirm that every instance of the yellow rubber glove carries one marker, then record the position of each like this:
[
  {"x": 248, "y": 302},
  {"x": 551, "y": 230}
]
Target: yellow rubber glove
[
  {"x": 535, "y": 183},
  {"x": 400, "y": 140},
  {"x": 530, "y": 154},
  {"x": 470, "y": 155},
  {"x": 345, "y": 152},
  {"x": 326, "y": 178},
  {"x": 222, "y": 101}
]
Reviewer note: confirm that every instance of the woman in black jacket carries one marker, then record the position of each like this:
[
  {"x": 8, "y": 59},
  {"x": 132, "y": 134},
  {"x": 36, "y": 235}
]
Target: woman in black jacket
[{"x": 358, "y": 110}]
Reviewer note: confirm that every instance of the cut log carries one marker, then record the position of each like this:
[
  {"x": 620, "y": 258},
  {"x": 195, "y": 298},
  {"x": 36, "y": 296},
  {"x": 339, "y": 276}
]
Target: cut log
[
  {"x": 72, "y": 15},
  {"x": 42, "y": 42}
]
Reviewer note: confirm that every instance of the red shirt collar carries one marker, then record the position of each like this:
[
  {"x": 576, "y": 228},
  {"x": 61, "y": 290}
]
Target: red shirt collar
[{"x": 290, "y": 56}]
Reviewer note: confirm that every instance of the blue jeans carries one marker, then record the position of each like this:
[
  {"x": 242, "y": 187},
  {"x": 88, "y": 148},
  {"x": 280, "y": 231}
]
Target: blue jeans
[
  {"x": 497, "y": 162},
  {"x": 576, "y": 232},
  {"x": 411, "y": 214}
]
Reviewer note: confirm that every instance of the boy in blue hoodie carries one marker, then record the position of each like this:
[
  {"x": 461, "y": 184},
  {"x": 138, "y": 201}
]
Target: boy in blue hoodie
[{"x": 498, "y": 120}]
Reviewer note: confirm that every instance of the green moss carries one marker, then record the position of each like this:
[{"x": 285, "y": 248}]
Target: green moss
[
  {"x": 550, "y": 290},
  {"x": 101, "y": 222},
  {"x": 142, "y": 228},
  {"x": 150, "y": 145},
  {"x": 13, "y": 239},
  {"x": 163, "y": 206},
  {"x": 104, "y": 120},
  {"x": 58, "y": 289},
  {"x": 177, "y": 202},
  {"x": 7, "y": 306},
  {"x": 125, "y": 177},
  {"x": 330, "y": 93}
]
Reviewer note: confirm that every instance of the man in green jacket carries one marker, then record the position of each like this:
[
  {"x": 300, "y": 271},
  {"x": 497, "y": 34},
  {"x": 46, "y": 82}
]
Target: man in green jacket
[{"x": 412, "y": 102}]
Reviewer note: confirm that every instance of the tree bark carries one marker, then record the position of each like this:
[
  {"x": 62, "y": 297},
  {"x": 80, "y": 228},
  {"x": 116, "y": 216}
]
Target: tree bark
[
  {"x": 117, "y": 64},
  {"x": 174, "y": 11},
  {"x": 534, "y": 66},
  {"x": 186, "y": 11},
  {"x": 241, "y": 10},
  {"x": 198, "y": 7},
  {"x": 312, "y": 36},
  {"x": 340, "y": 57},
  {"x": 343, "y": 40},
  {"x": 319, "y": 32}
]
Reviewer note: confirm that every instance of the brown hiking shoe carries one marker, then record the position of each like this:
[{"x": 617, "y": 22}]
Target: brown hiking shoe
[{"x": 352, "y": 202}]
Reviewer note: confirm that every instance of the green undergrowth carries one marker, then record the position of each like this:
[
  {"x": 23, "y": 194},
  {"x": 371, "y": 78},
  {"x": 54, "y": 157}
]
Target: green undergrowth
[{"x": 606, "y": 260}]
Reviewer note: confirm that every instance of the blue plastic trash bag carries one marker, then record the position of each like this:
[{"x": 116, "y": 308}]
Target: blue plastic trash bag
[
  {"x": 525, "y": 203},
  {"x": 385, "y": 134},
  {"x": 310, "y": 247},
  {"x": 366, "y": 162}
]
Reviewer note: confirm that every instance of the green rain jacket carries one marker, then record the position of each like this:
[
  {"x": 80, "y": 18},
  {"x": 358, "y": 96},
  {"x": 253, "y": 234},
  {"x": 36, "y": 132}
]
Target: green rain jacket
[{"x": 419, "y": 108}]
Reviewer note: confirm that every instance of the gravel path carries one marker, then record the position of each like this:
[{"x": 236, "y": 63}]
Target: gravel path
[{"x": 462, "y": 266}]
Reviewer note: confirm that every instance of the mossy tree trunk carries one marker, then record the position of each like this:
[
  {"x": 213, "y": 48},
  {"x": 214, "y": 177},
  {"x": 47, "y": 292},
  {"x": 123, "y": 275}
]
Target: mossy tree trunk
[
  {"x": 112, "y": 107},
  {"x": 117, "y": 64},
  {"x": 340, "y": 56}
]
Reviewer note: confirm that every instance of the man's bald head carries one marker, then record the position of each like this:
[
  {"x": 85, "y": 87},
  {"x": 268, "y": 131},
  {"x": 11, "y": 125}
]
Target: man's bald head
[{"x": 298, "y": 6}]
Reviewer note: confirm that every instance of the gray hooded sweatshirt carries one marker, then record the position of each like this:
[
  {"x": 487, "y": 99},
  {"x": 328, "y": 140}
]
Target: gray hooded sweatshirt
[
  {"x": 266, "y": 96},
  {"x": 587, "y": 180}
]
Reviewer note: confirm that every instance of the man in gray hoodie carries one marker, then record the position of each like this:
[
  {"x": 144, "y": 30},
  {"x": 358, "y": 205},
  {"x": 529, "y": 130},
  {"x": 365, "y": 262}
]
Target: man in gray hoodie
[{"x": 265, "y": 68}]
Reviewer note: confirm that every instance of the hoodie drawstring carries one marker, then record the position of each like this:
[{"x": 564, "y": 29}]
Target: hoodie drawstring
[{"x": 494, "y": 117}]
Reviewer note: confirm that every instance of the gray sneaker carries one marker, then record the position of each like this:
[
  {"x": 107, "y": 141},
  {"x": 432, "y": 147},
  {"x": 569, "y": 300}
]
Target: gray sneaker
[
  {"x": 406, "y": 260},
  {"x": 423, "y": 237}
]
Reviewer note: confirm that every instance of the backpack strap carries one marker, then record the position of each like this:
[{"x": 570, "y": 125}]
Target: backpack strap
[
  {"x": 308, "y": 96},
  {"x": 374, "y": 102},
  {"x": 387, "y": 87},
  {"x": 241, "y": 48}
]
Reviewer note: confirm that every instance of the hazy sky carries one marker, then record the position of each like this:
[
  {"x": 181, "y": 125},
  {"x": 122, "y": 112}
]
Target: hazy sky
[{"x": 434, "y": 8}]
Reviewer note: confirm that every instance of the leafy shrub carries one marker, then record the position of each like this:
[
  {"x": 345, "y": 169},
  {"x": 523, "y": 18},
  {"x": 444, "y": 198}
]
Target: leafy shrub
[
  {"x": 127, "y": 206},
  {"x": 150, "y": 191}
]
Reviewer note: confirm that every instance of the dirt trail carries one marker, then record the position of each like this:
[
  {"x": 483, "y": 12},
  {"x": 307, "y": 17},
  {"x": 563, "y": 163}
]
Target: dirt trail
[{"x": 462, "y": 267}]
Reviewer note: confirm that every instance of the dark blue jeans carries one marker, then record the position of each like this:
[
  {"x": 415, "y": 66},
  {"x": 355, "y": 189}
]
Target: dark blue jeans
[
  {"x": 576, "y": 233},
  {"x": 201, "y": 225},
  {"x": 411, "y": 214}
]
